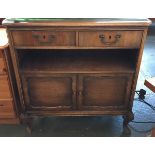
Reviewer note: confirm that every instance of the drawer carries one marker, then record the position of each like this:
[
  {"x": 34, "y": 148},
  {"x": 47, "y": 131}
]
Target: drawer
[
  {"x": 44, "y": 38},
  {"x": 6, "y": 109},
  {"x": 124, "y": 39},
  {"x": 2, "y": 64},
  {"x": 4, "y": 88}
]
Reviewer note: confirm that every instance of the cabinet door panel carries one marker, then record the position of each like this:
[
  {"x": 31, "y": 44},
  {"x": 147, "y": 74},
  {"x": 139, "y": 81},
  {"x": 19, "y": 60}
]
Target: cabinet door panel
[
  {"x": 103, "y": 91},
  {"x": 49, "y": 91}
]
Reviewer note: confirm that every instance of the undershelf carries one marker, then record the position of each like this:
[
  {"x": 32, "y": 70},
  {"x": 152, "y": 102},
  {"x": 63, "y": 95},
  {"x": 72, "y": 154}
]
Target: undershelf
[{"x": 77, "y": 62}]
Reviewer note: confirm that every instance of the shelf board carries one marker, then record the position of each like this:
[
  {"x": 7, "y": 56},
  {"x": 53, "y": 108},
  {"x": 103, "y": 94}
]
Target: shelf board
[{"x": 77, "y": 62}]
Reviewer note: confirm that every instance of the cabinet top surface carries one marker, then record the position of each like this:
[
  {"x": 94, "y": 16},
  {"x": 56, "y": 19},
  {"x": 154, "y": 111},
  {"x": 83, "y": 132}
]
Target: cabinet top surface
[{"x": 76, "y": 22}]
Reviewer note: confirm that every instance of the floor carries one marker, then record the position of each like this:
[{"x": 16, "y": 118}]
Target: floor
[{"x": 106, "y": 126}]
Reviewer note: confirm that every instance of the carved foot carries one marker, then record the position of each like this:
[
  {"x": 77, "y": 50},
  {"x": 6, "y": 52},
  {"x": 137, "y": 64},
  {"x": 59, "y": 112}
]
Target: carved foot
[
  {"x": 27, "y": 121},
  {"x": 29, "y": 125},
  {"x": 126, "y": 132},
  {"x": 43, "y": 124},
  {"x": 127, "y": 118}
]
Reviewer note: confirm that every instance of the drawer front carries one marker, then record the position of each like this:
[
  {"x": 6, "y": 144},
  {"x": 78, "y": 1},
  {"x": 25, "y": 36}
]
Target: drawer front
[
  {"x": 124, "y": 39},
  {"x": 4, "y": 88},
  {"x": 2, "y": 66},
  {"x": 43, "y": 38},
  {"x": 2, "y": 63},
  {"x": 6, "y": 109}
]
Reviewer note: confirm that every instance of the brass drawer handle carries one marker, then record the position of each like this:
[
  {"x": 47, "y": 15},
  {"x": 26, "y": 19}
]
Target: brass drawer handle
[
  {"x": 74, "y": 92},
  {"x": 44, "y": 38},
  {"x": 104, "y": 40},
  {"x": 80, "y": 93}
]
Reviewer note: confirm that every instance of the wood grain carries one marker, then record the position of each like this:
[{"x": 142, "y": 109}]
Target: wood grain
[
  {"x": 130, "y": 39},
  {"x": 43, "y": 38},
  {"x": 4, "y": 87},
  {"x": 8, "y": 103},
  {"x": 103, "y": 90},
  {"x": 54, "y": 91},
  {"x": 6, "y": 109}
]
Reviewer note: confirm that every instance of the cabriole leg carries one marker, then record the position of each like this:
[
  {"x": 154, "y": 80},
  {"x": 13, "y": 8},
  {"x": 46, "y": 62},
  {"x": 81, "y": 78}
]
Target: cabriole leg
[
  {"x": 27, "y": 121},
  {"x": 127, "y": 118}
]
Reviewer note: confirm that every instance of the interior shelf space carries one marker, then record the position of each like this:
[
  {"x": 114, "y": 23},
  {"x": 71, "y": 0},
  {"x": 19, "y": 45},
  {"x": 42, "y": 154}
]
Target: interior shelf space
[{"x": 77, "y": 61}]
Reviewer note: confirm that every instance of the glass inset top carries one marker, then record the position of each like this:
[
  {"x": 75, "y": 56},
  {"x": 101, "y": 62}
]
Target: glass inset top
[
  {"x": 71, "y": 19},
  {"x": 76, "y": 22}
]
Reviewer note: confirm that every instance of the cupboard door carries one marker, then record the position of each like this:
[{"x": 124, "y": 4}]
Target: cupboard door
[
  {"x": 49, "y": 92},
  {"x": 98, "y": 92}
]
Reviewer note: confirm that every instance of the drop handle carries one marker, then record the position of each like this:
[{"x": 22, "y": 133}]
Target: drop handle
[
  {"x": 106, "y": 41},
  {"x": 80, "y": 93},
  {"x": 44, "y": 38},
  {"x": 74, "y": 92}
]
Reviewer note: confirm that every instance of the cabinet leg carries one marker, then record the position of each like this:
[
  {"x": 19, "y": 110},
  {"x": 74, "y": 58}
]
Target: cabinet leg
[
  {"x": 27, "y": 121},
  {"x": 29, "y": 125},
  {"x": 127, "y": 118}
]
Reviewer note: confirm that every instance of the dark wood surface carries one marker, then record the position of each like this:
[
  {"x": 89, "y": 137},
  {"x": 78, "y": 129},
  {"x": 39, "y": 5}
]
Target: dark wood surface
[{"x": 77, "y": 67}]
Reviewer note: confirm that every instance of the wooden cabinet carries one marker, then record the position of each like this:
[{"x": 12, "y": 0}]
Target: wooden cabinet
[
  {"x": 8, "y": 99},
  {"x": 77, "y": 67}
]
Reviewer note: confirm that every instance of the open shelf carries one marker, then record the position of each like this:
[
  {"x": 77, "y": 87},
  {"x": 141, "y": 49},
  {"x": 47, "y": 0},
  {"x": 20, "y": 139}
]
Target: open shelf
[{"x": 74, "y": 61}]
